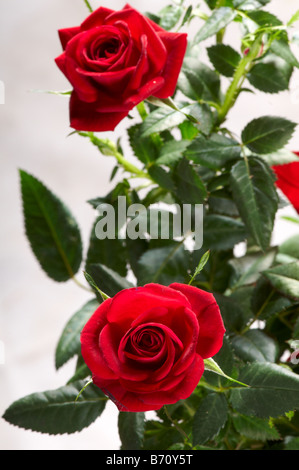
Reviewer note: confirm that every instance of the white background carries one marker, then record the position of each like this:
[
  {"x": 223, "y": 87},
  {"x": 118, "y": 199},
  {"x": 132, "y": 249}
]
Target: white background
[{"x": 34, "y": 128}]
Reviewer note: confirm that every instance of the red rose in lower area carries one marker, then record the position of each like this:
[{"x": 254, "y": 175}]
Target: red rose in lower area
[
  {"x": 114, "y": 60},
  {"x": 288, "y": 181},
  {"x": 145, "y": 346}
]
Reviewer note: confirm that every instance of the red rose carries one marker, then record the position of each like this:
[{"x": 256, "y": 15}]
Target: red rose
[
  {"x": 145, "y": 346},
  {"x": 115, "y": 60},
  {"x": 288, "y": 181}
]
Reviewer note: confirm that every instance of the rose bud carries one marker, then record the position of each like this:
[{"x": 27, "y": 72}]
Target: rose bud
[
  {"x": 146, "y": 346},
  {"x": 114, "y": 60}
]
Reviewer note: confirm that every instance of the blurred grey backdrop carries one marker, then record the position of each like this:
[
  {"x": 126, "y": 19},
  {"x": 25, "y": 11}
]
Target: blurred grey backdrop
[{"x": 34, "y": 128}]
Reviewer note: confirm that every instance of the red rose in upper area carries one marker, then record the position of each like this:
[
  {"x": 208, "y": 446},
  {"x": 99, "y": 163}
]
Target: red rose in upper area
[
  {"x": 288, "y": 181},
  {"x": 145, "y": 346},
  {"x": 115, "y": 60}
]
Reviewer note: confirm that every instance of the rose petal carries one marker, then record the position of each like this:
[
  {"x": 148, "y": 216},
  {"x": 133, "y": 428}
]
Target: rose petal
[
  {"x": 139, "y": 26},
  {"x": 90, "y": 342},
  {"x": 150, "y": 88},
  {"x": 176, "y": 44},
  {"x": 86, "y": 90},
  {"x": 124, "y": 400},
  {"x": 288, "y": 181},
  {"x": 141, "y": 68},
  {"x": 110, "y": 80},
  {"x": 181, "y": 320},
  {"x": 66, "y": 34},
  {"x": 158, "y": 365},
  {"x": 211, "y": 328},
  {"x": 182, "y": 389},
  {"x": 85, "y": 116},
  {"x": 109, "y": 351},
  {"x": 129, "y": 401},
  {"x": 60, "y": 62},
  {"x": 133, "y": 302},
  {"x": 96, "y": 18}
]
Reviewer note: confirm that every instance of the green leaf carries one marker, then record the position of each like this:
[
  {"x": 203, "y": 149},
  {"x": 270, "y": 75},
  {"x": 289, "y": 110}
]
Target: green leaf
[
  {"x": 169, "y": 16},
  {"x": 266, "y": 302},
  {"x": 249, "y": 4},
  {"x": 247, "y": 269},
  {"x": 285, "y": 278},
  {"x": 189, "y": 186},
  {"x": 273, "y": 390},
  {"x": 161, "y": 177},
  {"x": 131, "y": 430},
  {"x": 292, "y": 443},
  {"x": 222, "y": 233},
  {"x": 256, "y": 429},
  {"x": 107, "y": 280},
  {"x": 282, "y": 49},
  {"x": 218, "y": 20},
  {"x": 235, "y": 317},
  {"x": 280, "y": 157},
  {"x": 204, "y": 118},
  {"x": 145, "y": 149},
  {"x": 255, "y": 345},
  {"x": 209, "y": 418},
  {"x": 255, "y": 195},
  {"x": 290, "y": 247},
  {"x": 163, "y": 265},
  {"x": 213, "y": 152},
  {"x": 272, "y": 76},
  {"x": 56, "y": 411},
  {"x": 51, "y": 229},
  {"x": 294, "y": 18},
  {"x": 108, "y": 251},
  {"x": 220, "y": 202},
  {"x": 267, "y": 134},
  {"x": 188, "y": 131},
  {"x": 187, "y": 15},
  {"x": 203, "y": 261},
  {"x": 264, "y": 18},
  {"x": 100, "y": 295},
  {"x": 224, "y": 58},
  {"x": 162, "y": 119},
  {"x": 172, "y": 151},
  {"x": 69, "y": 341},
  {"x": 198, "y": 81}
]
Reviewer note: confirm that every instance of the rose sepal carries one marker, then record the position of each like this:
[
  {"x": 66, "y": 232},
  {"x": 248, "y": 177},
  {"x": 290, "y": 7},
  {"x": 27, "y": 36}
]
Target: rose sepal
[{"x": 212, "y": 366}]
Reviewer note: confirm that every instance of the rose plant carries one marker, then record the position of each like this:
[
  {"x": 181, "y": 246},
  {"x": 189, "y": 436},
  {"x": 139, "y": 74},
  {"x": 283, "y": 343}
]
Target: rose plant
[{"x": 201, "y": 337}]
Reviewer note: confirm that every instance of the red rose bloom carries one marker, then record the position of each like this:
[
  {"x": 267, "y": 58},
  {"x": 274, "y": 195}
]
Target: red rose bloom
[
  {"x": 115, "y": 60},
  {"x": 288, "y": 181},
  {"x": 145, "y": 346}
]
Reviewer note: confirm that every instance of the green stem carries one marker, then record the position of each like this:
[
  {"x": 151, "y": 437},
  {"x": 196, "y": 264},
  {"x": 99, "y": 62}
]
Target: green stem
[
  {"x": 130, "y": 167},
  {"x": 88, "y": 5},
  {"x": 142, "y": 110},
  {"x": 82, "y": 389},
  {"x": 108, "y": 148},
  {"x": 259, "y": 312},
  {"x": 220, "y": 34},
  {"x": 80, "y": 284},
  {"x": 285, "y": 321},
  {"x": 242, "y": 70},
  {"x": 178, "y": 428}
]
